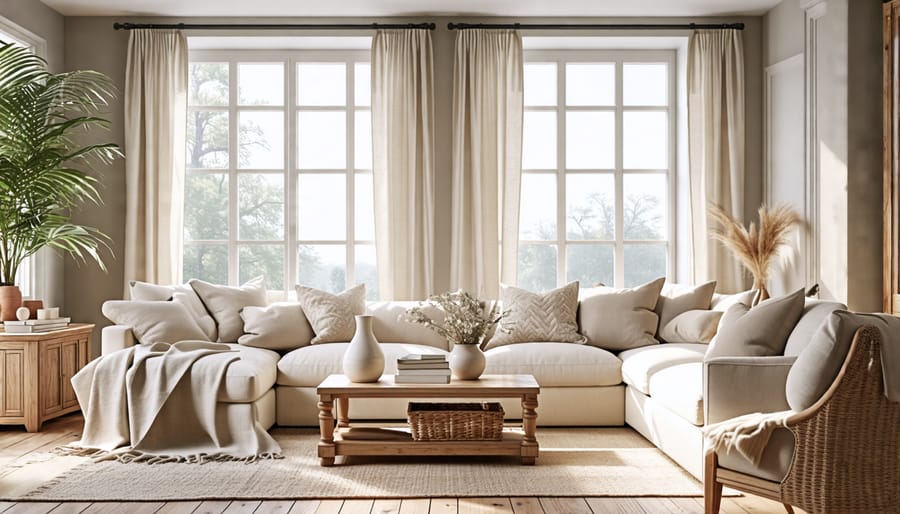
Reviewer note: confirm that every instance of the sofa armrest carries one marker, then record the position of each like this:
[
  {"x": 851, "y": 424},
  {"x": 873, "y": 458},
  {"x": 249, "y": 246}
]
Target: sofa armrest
[
  {"x": 116, "y": 337},
  {"x": 734, "y": 386}
]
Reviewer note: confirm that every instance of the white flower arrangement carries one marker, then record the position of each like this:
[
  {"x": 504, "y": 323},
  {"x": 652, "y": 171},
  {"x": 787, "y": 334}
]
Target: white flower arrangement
[{"x": 464, "y": 319}]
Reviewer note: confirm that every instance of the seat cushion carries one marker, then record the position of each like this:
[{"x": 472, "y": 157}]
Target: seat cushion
[
  {"x": 680, "y": 389},
  {"x": 639, "y": 364},
  {"x": 250, "y": 377},
  {"x": 308, "y": 366},
  {"x": 556, "y": 364}
]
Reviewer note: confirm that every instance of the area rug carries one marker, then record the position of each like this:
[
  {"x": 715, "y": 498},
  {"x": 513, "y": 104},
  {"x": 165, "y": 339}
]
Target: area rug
[{"x": 572, "y": 462}]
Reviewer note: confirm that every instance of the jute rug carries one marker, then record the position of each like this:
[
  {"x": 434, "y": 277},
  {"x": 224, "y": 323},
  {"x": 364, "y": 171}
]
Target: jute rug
[{"x": 573, "y": 462}]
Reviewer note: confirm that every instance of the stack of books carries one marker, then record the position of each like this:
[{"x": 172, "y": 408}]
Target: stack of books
[
  {"x": 34, "y": 326},
  {"x": 417, "y": 368}
]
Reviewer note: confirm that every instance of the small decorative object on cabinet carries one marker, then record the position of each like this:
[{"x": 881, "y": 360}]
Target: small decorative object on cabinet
[
  {"x": 34, "y": 374},
  {"x": 364, "y": 360}
]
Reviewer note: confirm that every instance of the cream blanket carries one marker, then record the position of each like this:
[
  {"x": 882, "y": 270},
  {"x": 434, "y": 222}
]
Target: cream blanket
[
  {"x": 144, "y": 404},
  {"x": 748, "y": 434}
]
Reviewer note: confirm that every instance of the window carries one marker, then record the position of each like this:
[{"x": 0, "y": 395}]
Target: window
[
  {"x": 598, "y": 161},
  {"x": 279, "y": 178}
]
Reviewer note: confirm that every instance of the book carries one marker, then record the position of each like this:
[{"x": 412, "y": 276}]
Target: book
[
  {"x": 424, "y": 365},
  {"x": 419, "y": 357},
  {"x": 435, "y": 371},
  {"x": 37, "y": 322},
  {"x": 33, "y": 329},
  {"x": 421, "y": 379}
]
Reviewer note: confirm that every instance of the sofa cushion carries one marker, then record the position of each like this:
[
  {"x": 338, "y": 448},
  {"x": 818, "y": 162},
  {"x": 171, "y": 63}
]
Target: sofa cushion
[
  {"x": 332, "y": 315},
  {"x": 677, "y": 298},
  {"x": 815, "y": 312},
  {"x": 639, "y": 364},
  {"x": 390, "y": 328},
  {"x": 308, "y": 366},
  {"x": 548, "y": 316},
  {"x": 680, "y": 389},
  {"x": 280, "y": 326},
  {"x": 155, "y": 322},
  {"x": 556, "y": 364},
  {"x": 144, "y": 291},
  {"x": 225, "y": 304},
  {"x": 758, "y": 331},
  {"x": 619, "y": 319},
  {"x": 250, "y": 377}
]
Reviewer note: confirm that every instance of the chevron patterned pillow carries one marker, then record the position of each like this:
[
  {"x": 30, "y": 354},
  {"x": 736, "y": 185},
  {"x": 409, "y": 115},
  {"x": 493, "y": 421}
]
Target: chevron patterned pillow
[{"x": 538, "y": 317}]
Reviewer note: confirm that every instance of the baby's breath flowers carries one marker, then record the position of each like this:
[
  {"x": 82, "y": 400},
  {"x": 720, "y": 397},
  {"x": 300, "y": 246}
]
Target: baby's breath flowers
[{"x": 464, "y": 319}]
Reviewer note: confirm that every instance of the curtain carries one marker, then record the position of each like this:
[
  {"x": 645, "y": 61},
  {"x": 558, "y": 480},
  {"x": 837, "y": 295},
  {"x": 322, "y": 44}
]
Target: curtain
[
  {"x": 403, "y": 162},
  {"x": 486, "y": 159},
  {"x": 716, "y": 148},
  {"x": 155, "y": 114}
]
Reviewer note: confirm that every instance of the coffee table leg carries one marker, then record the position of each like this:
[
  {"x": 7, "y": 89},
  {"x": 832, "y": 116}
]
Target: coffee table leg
[
  {"x": 326, "y": 430},
  {"x": 343, "y": 412},
  {"x": 530, "y": 448}
]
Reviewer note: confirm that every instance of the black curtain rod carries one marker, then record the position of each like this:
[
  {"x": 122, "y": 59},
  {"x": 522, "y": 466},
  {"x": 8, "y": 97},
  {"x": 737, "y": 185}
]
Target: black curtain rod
[
  {"x": 597, "y": 26},
  {"x": 273, "y": 26}
]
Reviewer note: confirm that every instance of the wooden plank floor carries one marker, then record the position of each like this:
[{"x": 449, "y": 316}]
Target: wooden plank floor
[{"x": 15, "y": 443}]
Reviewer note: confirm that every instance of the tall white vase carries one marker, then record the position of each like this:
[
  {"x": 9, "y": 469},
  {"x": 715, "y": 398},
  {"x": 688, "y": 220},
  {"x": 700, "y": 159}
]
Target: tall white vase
[
  {"x": 467, "y": 361},
  {"x": 364, "y": 360}
]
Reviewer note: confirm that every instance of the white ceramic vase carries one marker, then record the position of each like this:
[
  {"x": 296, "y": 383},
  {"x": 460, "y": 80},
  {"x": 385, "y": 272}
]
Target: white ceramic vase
[
  {"x": 467, "y": 361},
  {"x": 364, "y": 360}
]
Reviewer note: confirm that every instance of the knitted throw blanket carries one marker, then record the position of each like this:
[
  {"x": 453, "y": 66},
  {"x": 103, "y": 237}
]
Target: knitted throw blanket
[{"x": 748, "y": 434}]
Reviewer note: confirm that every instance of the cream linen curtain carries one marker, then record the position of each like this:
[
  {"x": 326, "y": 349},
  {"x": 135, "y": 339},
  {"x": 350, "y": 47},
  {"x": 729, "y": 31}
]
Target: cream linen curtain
[
  {"x": 716, "y": 147},
  {"x": 487, "y": 158},
  {"x": 155, "y": 114},
  {"x": 403, "y": 162}
]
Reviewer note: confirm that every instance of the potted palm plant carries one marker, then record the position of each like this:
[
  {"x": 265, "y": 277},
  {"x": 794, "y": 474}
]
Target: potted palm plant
[{"x": 42, "y": 163}]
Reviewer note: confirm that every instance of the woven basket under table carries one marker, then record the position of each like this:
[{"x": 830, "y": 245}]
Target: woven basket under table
[{"x": 455, "y": 421}]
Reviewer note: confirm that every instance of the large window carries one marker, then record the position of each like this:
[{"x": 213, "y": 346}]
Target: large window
[
  {"x": 279, "y": 178},
  {"x": 598, "y": 160}
]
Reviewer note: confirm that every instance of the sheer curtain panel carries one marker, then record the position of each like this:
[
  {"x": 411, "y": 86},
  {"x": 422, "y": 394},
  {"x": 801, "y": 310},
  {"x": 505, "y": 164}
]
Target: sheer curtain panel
[
  {"x": 403, "y": 162},
  {"x": 155, "y": 114},
  {"x": 716, "y": 148},
  {"x": 487, "y": 159}
]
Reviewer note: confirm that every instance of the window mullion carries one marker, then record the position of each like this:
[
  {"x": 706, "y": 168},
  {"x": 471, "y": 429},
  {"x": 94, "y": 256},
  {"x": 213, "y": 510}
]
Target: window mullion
[
  {"x": 350, "y": 192},
  {"x": 561, "y": 113},
  {"x": 619, "y": 259},
  {"x": 290, "y": 182},
  {"x": 233, "y": 156}
]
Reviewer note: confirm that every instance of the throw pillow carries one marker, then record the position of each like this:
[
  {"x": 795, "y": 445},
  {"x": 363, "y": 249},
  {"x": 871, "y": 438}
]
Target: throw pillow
[
  {"x": 154, "y": 321},
  {"x": 723, "y": 302},
  {"x": 144, "y": 291},
  {"x": 332, "y": 316},
  {"x": 693, "y": 326},
  {"x": 619, "y": 319},
  {"x": 675, "y": 299},
  {"x": 225, "y": 304},
  {"x": 534, "y": 317},
  {"x": 280, "y": 326},
  {"x": 758, "y": 331}
]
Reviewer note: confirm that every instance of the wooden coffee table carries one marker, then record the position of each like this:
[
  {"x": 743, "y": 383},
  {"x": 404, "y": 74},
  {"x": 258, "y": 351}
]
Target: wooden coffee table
[{"x": 344, "y": 440}]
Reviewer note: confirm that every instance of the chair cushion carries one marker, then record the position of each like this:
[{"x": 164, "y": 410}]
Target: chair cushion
[
  {"x": 775, "y": 462},
  {"x": 250, "y": 377},
  {"x": 557, "y": 364},
  {"x": 639, "y": 364},
  {"x": 308, "y": 366},
  {"x": 680, "y": 389},
  {"x": 619, "y": 319}
]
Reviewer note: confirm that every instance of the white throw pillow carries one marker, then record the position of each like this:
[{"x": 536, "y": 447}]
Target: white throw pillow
[
  {"x": 145, "y": 291},
  {"x": 759, "y": 331},
  {"x": 677, "y": 298},
  {"x": 280, "y": 326},
  {"x": 693, "y": 326},
  {"x": 331, "y": 316},
  {"x": 619, "y": 319},
  {"x": 155, "y": 321},
  {"x": 538, "y": 317},
  {"x": 723, "y": 302},
  {"x": 225, "y": 304}
]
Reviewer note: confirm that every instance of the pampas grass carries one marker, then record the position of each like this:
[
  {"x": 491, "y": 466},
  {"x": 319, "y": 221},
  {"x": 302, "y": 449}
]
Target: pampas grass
[{"x": 756, "y": 248}]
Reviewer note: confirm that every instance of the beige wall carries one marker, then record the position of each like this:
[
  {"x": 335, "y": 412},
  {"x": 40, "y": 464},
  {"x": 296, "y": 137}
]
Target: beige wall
[{"x": 41, "y": 20}]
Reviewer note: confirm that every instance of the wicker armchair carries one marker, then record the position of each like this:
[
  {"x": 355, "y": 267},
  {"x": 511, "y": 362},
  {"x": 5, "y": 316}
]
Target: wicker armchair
[{"x": 846, "y": 455}]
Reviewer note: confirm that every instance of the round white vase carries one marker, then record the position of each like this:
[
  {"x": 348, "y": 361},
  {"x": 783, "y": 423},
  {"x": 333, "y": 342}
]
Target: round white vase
[
  {"x": 467, "y": 361},
  {"x": 363, "y": 360}
]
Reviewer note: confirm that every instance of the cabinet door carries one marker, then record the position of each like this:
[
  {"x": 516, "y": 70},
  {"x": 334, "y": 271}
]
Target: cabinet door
[
  {"x": 68, "y": 367},
  {"x": 12, "y": 383},
  {"x": 50, "y": 392}
]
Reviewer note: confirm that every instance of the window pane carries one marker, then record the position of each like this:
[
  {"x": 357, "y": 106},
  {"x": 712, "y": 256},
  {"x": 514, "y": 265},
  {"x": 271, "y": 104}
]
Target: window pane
[
  {"x": 321, "y": 84},
  {"x": 365, "y": 270},
  {"x": 362, "y": 88},
  {"x": 260, "y": 140},
  {"x": 645, "y": 206},
  {"x": 322, "y": 199},
  {"x": 591, "y": 264},
  {"x": 539, "y": 140},
  {"x": 265, "y": 260},
  {"x": 590, "y": 206},
  {"x": 207, "y": 139},
  {"x": 645, "y": 140},
  {"x": 362, "y": 147},
  {"x": 208, "y": 83},
  {"x": 261, "y": 207},
  {"x": 645, "y": 84},
  {"x": 260, "y": 84},
  {"x": 207, "y": 262},
  {"x": 537, "y": 217},
  {"x": 537, "y": 267},
  {"x": 540, "y": 84},
  {"x": 322, "y": 267},
  {"x": 591, "y": 84},
  {"x": 590, "y": 140},
  {"x": 364, "y": 213},
  {"x": 644, "y": 263},
  {"x": 205, "y": 207},
  {"x": 321, "y": 140}
]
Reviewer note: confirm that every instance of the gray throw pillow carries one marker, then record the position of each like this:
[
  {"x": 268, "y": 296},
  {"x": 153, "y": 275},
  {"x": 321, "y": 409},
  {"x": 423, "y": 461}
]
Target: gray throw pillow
[
  {"x": 538, "y": 317},
  {"x": 280, "y": 326},
  {"x": 225, "y": 304},
  {"x": 758, "y": 331},
  {"x": 675, "y": 299},
  {"x": 619, "y": 319},
  {"x": 154, "y": 321},
  {"x": 332, "y": 316},
  {"x": 145, "y": 291}
]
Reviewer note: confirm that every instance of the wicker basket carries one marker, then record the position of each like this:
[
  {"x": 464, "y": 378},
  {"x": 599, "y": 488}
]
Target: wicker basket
[{"x": 455, "y": 421}]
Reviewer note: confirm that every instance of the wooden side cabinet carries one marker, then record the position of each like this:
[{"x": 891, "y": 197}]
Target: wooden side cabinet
[{"x": 34, "y": 374}]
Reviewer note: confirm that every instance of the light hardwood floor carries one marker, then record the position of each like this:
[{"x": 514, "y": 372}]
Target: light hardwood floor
[{"x": 15, "y": 443}]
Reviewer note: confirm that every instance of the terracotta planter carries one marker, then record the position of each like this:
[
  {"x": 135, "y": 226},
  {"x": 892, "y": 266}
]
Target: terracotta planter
[{"x": 10, "y": 300}]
